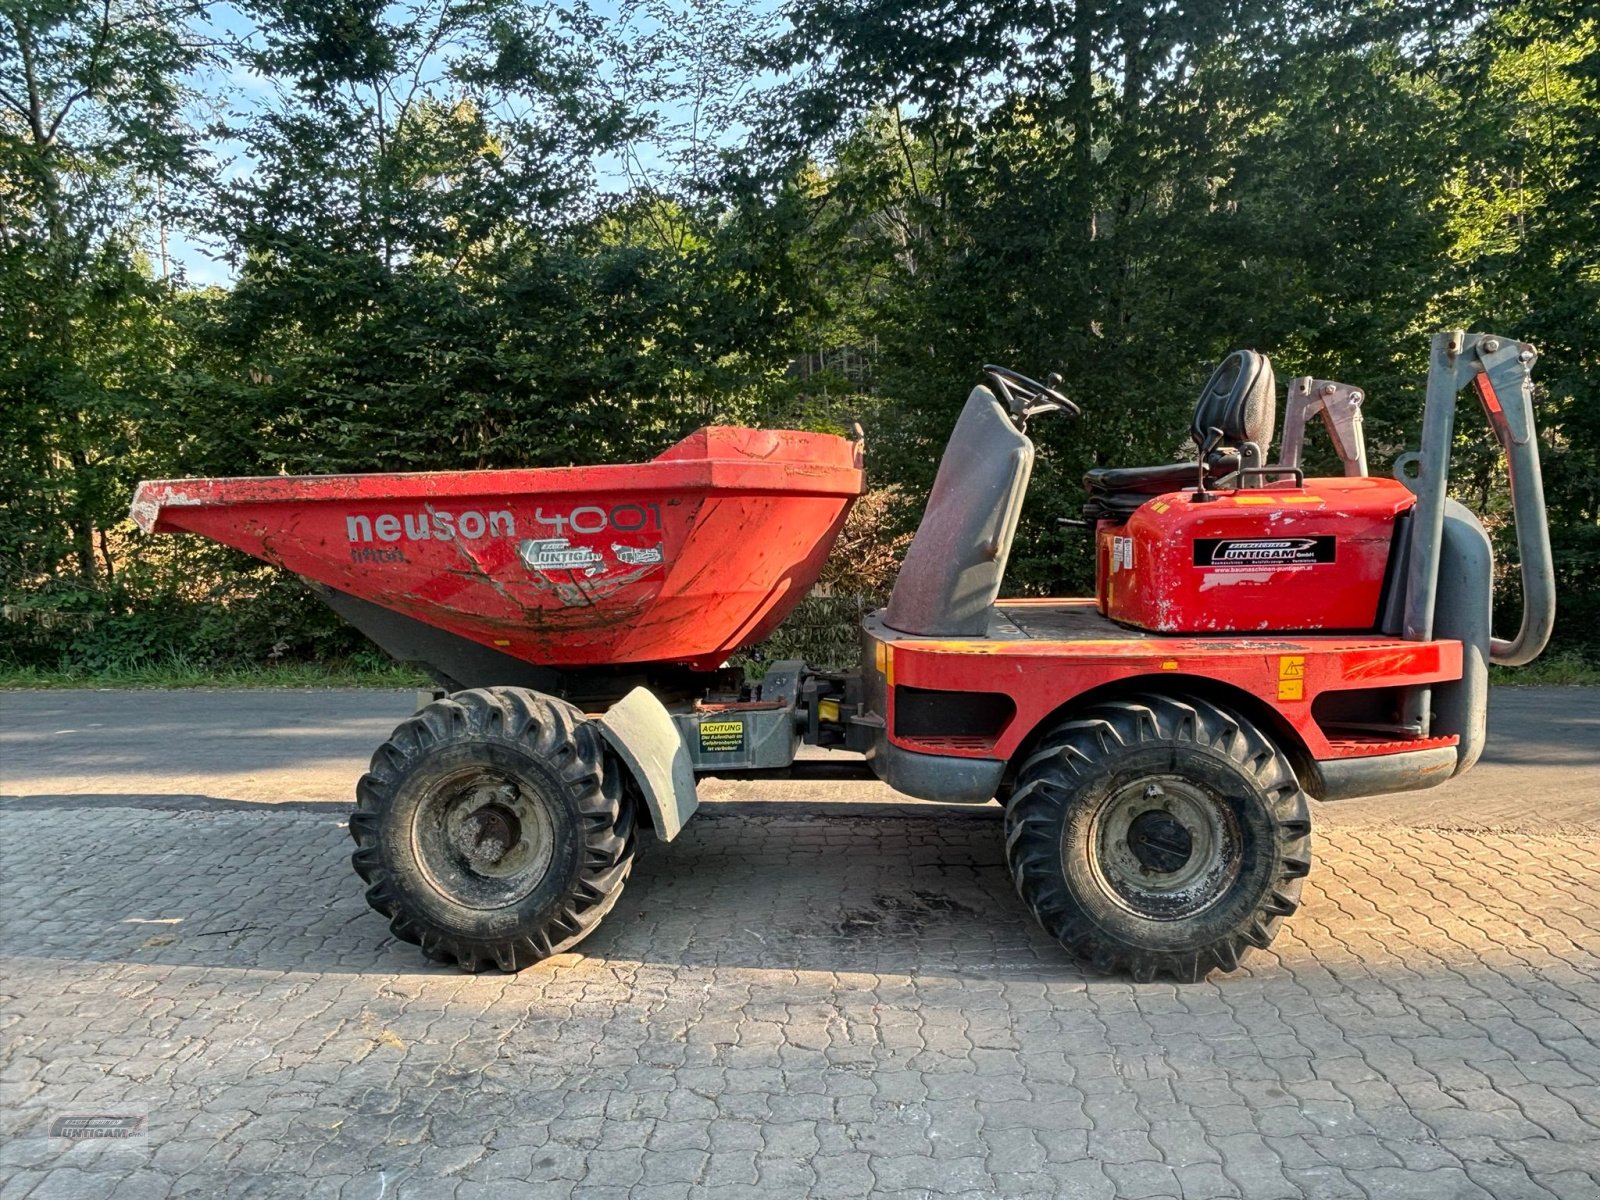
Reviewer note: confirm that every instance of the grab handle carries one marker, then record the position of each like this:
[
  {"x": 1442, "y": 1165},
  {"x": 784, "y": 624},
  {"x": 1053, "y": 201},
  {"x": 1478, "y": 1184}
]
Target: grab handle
[
  {"x": 1504, "y": 386},
  {"x": 1501, "y": 371}
]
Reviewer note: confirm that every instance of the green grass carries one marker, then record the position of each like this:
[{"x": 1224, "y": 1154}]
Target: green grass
[
  {"x": 177, "y": 672},
  {"x": 1564, "y": 669}
]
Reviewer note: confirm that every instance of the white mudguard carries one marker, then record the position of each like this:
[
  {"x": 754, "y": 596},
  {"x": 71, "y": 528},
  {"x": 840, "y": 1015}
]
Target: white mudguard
[{"x": 646, "y": 739}]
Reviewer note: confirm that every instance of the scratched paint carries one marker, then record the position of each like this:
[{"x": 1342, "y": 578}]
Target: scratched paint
[
  {"x": 1179, "y": 584},
  {"x": 1043, "y": 673},
  {"x": 681, "y": 559}
]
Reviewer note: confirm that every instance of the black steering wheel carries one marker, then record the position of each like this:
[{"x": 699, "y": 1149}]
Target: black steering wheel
[{"x": 1028, "y": 397}]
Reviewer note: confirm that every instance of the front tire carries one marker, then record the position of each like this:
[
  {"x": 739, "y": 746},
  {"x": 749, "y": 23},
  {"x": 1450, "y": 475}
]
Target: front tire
[
  {"x": 490, "y": 831},
  {"x": 1158, "y": 837}
]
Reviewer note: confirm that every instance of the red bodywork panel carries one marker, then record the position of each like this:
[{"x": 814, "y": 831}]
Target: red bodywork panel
[
  {"x": 1253, "y": 561},
  {"x": 685, "y": 558},
  {"x": 1055, "y": 663}
]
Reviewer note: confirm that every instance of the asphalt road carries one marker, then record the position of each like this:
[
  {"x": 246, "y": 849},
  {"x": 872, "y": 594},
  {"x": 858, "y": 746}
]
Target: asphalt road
[{"x": 181, "y": 748}]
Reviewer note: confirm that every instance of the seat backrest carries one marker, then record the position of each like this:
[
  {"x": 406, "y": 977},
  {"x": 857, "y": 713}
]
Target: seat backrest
[
  {"x": 954, "y": 566},
  {"x": 1240, "y": 400}
]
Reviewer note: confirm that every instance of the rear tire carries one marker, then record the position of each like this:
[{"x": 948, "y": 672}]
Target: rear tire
[
  {"x": 1158, "y": 837},
  {"x": 489, "y": 830}
]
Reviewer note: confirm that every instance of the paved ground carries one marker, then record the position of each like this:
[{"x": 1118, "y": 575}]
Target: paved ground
[
  {"x": 794, "y": 999},
  {"x": 173, "y": 749}
]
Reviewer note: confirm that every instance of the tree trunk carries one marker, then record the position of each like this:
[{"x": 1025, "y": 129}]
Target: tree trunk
[
  {"x": 1080, "y": 103},
  {"x": 79, "y": 515}
]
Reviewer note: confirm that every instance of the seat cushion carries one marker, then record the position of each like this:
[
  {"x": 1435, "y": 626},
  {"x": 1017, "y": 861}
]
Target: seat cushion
[
  {"x": 1145, "y": 481},
  {"x": 1115, "y": 492},
  {"x": 1240, "y": 400},
  {"x": 1115, "y": 507},
  {"x": 1153, "y": 481}
]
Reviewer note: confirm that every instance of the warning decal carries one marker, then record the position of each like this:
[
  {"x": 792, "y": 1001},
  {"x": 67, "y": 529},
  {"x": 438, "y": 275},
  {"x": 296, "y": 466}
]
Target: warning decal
[
  {"x": 721, "y": 737},
  {"x": 1122, "y": 554},
  {"x": 1292, "y": 677}
]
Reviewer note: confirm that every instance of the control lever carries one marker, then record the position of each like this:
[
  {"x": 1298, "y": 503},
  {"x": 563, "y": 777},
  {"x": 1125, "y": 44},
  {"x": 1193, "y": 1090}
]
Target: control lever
[{"x": 1213, "y": 439}]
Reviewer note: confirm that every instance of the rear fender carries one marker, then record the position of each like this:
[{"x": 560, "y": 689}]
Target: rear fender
[
  {"x": 1464, "y": 610},
  {"x": 643, "y": 735}
]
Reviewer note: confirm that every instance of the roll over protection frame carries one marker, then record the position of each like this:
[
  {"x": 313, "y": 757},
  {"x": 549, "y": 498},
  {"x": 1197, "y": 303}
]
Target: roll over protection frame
[{"x": 1501, "y": 371}]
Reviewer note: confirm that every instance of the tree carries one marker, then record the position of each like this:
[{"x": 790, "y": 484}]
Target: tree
[
  {"x": 1124, "y": 192},
  {"x": 1523, "y": 212},
  {"x": 481, "y": 233},
  {"x": 92, "y": 131}
]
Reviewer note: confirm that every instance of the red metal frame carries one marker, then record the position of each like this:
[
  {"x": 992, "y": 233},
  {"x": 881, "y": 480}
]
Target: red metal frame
[{"x": 1041, "y": 675}]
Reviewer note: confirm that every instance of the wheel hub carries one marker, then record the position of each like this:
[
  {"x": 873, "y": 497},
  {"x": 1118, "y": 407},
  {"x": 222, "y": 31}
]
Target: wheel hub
[
  {"x": 1159, "y": 841},
  {"x": 495, "y": 831},
  {"x": 484, "y": 839},
  {"x": 1165, "y": 848}
]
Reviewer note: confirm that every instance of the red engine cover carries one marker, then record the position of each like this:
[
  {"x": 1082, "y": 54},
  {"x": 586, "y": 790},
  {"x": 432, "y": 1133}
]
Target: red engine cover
[{"x": 1268, "y": 559}]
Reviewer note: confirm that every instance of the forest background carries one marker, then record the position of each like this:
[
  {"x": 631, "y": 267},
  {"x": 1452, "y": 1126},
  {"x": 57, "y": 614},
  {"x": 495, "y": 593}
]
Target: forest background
[{"x": 299, "y": 236}]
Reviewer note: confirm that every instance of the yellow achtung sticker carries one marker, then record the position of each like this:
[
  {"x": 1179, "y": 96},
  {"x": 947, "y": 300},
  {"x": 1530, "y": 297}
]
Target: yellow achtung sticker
[
  {"x": 721, "y": 737},
  {"x": 1292, "y": 677}
]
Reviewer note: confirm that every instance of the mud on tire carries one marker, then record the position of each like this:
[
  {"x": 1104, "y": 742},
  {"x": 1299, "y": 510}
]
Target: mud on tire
[
  {"x": 490, "y": 831},
  {"x": 1158, "y": 837}
]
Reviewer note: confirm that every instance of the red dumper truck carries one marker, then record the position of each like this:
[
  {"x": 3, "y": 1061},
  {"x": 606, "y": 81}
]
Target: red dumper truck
[{"x": 1256, "y": 639}]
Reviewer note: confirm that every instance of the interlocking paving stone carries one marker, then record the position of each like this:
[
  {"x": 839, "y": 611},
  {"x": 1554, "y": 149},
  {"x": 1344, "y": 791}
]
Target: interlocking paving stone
[{"x": 787, "y": 1005}]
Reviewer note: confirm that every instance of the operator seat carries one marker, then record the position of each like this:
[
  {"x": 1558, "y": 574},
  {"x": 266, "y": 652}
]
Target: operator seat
[{"x": 1239, "y": 400}]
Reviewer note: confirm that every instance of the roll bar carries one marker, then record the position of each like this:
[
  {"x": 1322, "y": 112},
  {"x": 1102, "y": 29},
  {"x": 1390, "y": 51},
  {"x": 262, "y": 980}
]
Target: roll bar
[
  {"x": 1339, "y": 405},
  {"x": 1500, "y": 369}
]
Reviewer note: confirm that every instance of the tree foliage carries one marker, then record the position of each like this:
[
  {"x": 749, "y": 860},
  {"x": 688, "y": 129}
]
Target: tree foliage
[
  {"x": 91, "y": 132},
  {"x": 484, "y": 233}
]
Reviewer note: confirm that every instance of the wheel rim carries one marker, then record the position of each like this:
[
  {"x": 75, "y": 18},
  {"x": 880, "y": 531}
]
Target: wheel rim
[
  {"x": 484, "y": 839},
  {"x": 1165, "y": 848}
]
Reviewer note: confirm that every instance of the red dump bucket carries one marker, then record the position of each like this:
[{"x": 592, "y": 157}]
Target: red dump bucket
[{"x": 685, "y": 558}]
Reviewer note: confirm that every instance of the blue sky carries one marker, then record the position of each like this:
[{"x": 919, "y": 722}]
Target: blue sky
[{"x": 241, "y": 91}]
